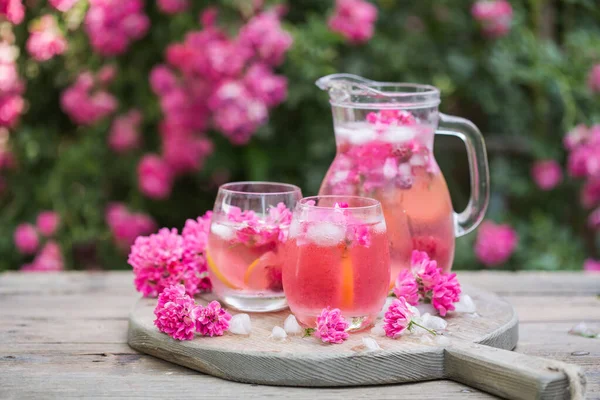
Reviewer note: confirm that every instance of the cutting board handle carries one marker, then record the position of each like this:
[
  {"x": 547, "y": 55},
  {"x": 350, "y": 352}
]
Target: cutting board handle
[{"x": 512, "y": 375}]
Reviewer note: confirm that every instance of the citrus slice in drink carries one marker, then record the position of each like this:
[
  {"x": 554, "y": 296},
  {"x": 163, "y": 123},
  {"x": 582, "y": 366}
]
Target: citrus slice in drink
[
  {"x": 347, "y": 280},
  {"x": 259, "y": 274},
  {"x": 218, "y": 274}
]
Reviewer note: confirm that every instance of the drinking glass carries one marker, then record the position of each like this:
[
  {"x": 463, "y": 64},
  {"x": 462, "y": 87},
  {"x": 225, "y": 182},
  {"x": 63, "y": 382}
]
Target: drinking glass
[
  {"x": 249, "y": 227},
  {"x": 337, "y": 255}
]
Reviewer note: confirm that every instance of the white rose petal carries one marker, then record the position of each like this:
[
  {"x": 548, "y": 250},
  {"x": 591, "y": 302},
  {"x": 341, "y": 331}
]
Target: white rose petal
[
  {"x": 370, "y": 344},
  {"x": 240, "y": 324},
  {"x": 291, "y": 325},
  {"x": 465, "y": 305},
  {"x": 278, "y": 333}
]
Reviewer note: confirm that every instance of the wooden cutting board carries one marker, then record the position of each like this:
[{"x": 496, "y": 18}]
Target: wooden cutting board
[{"x": 473, "y": 350}]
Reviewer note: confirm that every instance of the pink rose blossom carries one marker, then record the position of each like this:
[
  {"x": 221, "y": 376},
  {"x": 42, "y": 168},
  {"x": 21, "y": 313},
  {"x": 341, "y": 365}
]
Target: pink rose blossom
[
  {"x": 26, "y": 238},
  {"x": 63, "y": 5},
  {"x": 263, "y": 84},
  {"x": 546, "y": 174},
  {"x": 173, "y": 6},
  {"x": 425, "y": 269},
  {"x": 112, "y": 25},
  {"x": 495, "y": 17},
  {"x": 591, "y": 265},
  {"x": 195, "y": 240},
  {"x": 12, "y": 10},
  {"x": 212, "y": 320},
  {"x": 126, "y": 226},
  {"x": 106, "y": 74},
  {"x": 354, "y": 19},
  {"x": 406, "y": 286},
  {"x": 590, "y": 193},
  {"x": 176, "y": 313},
  {"x": 264, "y": 34},
  {"x": 331, "y": 326},
  {"x": 445, "y": 293},
  {"x": 11, "y": 107},
  {"x": 84, "y": 104},
  {"x": 495, "y": 243},
  {"x": 576, "y": 136},
  {"x": 155, "y": 178},
  {"x": 185, "y": 152},
  {"x": 162, "y": 80},
  {"x": 46, "y": 39},
  {"x": 594, "y": 79},
  {"x": 49, "y": 259},
  {"x": 397, "y": 318},
  {"x": 594, "y": 219},
  {"x": 124, "y": 133},
  {"x": 47, "y": 222},
  {"x": 157, "y": 263}
]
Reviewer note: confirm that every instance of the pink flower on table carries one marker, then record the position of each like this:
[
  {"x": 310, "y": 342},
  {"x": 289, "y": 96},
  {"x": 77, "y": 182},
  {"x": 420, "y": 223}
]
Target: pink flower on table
[
  {"x": 12, "y": 10},
  {"x": 271, "y": 89},
  {"x": 195, "y": 240},
  {"x": 264, "y": 34},
  {"x": 445, "y": 293},
  {"x": 591, "y": 265},
  {"x": 546, "y": 174},
  {"x": 63, "y": 5},
  {"x": 331, "y": 326},
  {"x": 157, "y": 262},
  {"x": 173, "y": 6},
  {"x": 46, "y": 39},
  {"x": 425, "y": 269},
  {"x": 495, "y": 17},
  {"x": 155, "y": 178},
  {"x": 213, "y": 320},
  {"x": 495, "y": 243},
  {"x": 176, "y": 313},
  {"x": 397, "y": 318},
  {"x": 112, "y": 25},
  {"x": 124, "y": 132},
  {"x": 47, "y": 222},
  {"x": 406, "y": 287},
  {"x": 354, "y": 19},
  {"x": 162, "y": 80},
  {"x": 26, "y": 238},
  {"x": 594, "y": 79}
]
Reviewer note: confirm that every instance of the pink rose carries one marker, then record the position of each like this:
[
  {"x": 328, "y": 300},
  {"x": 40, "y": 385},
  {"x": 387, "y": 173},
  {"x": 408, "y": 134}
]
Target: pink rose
[
  {"x": 63, "y": 5},
  {"x": 26, "y": 238},
  {"x": 49, "y": 259},
  {"x": 591, "y": 265},
  {"x": 354, "y": 19},
  {"x": 46, "y": 39},
  {"x": 495, "y": 17},
  {"x": 594, "y": 79},
  {"x": 12, "y": 10},
  {"x": 155, "y": 179},
  {"x": 162, "y": 80},
  {"x": 124, "y": 133},
  {"x": 546, "y": 174},
  {"x": 47, "y": 222},
  {"x": 495, "y": 243},
  {"x": 264, "y": 34},
  {"x": 173, "y": 6}
]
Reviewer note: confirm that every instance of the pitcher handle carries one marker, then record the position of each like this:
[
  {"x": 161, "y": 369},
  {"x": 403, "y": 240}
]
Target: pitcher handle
[{"x": 464, "y": 129}]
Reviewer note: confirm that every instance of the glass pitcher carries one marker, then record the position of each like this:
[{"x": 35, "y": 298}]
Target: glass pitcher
[{"x": 384, "y": 136}]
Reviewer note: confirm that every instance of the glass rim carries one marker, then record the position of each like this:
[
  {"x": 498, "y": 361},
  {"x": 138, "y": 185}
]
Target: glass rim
[
  {"x": 287, "y": 188},
  {"x": 374, "y": 203}
]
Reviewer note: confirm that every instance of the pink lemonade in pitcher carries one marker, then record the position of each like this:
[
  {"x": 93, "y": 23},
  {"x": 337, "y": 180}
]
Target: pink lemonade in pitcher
[
  {"x": 337, "y": 256},
  {"x": 384, "y": 136}
]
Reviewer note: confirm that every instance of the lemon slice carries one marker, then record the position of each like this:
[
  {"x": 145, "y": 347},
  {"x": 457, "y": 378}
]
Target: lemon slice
[
  {"x": 347, "y": 280},
  {"x": 256, "y": 273},
  {"x": 217, "y": 273}
]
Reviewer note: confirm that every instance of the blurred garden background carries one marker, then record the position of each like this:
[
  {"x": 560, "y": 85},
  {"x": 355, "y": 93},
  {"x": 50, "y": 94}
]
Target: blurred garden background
[{"x": 118, "y": 117}]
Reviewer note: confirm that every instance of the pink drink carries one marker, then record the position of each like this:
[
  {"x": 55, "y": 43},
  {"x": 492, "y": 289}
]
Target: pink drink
[
  {"x": 338, "y": 265},
  {"x": 389, "y": 157}
]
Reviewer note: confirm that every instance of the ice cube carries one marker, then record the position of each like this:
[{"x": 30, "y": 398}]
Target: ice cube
[
  {"x": 370, "y": 344},
  {"x": 291, "y": 325},
  {"x": 325, "y": 233},
  {"x": 426, "y": 308},
  {"x": 356, "y": 133},
  {"x": 378, "y": 330},
  {"x": 398, "y": 134},
  {"x": 465, "y": 305},
  {"x": 240, "y": 324},
  {"x": 222, "y": 231},
  {"x": 432, "y": 322},
  {"x": 278, "y": 333},
  {"x": 380, "y": 227},
  {"x": 294, "y": 229}
]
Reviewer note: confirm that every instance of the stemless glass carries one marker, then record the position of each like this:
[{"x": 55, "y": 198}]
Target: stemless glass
[
  {"x": 249, "y": 226},
  {"x": 337, "y": 255}
]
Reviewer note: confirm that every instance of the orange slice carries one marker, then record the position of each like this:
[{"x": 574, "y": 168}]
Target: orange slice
[
  {"x": 347, "y": 280},
  {"x": 256, "y": 276},
  {"x": 217, "y": 273}
]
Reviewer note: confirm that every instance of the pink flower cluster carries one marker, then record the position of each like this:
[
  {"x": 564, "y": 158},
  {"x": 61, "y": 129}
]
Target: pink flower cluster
[
  {"x": 494, "y": 16},
  {"x": 354, "y": 19},
  {"x": 252, "y": 230},
  {"x": 331, "y": 326},
  {"x": 126, "y": 226},
  {"x": 167, "y": 258},
  {"x": 46, "y": 39},
  {"x": 495, "y": 243},
  {"x": 26, "y": 235},
  {"x": 112, "y": 25},
  {"x": 397, "y": 318},
  {"x": 87, "y": 101},
  {"x": 179, "y": 316},
  {"x": 546, "y": 174},
  {"x": 63, "y": 5},
  {"x": 173, "y": 6},
  {"x": 12, "y": 10},
  {"x": 426, "y": 282},
  {"x": 155, "y": 177},
  {"x": 594, "y": 79},
  {"x": 124, "y": 133},
  {"x": 11, "y": 86},
  {"x": 583, "y": 146},
  {"x": 591, "y": 265},
  {"x": 49, "y": 259}
]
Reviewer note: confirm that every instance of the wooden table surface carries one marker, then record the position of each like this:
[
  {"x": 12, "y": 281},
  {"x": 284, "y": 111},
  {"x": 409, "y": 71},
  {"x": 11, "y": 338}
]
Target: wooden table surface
[{"x": 64, "y": 335}]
